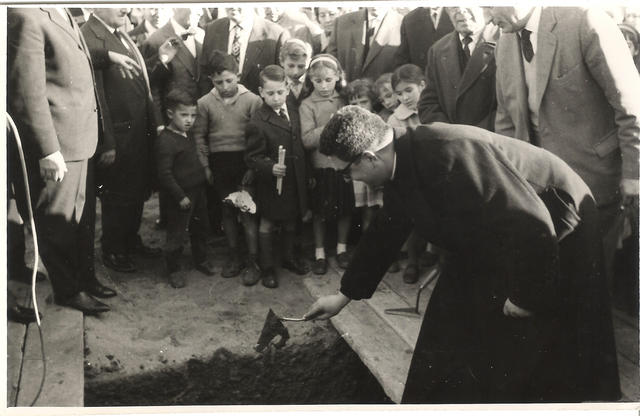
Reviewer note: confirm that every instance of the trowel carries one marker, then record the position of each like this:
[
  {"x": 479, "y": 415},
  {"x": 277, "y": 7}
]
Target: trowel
[{"x": 272, "y": 328}]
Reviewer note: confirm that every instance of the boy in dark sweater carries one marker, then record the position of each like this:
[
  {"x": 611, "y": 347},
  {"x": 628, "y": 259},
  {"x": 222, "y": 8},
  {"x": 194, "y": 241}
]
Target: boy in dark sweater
[{"x": 182, "y": 177}]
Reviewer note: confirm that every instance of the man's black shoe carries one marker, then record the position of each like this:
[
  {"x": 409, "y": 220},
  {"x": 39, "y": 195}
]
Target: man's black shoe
[
  {"x": 23, "y": 274},
  {"x": 21, "y": 315},
  {"x": 145, "y": 251},
  {"x": 85, "y": 303},
  {"x": 118, "y": 262},
  {"x": 99, "y": 290}
]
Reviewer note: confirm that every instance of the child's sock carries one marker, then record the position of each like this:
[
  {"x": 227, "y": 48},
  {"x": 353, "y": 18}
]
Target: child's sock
[
  {"x": 320, "y": 253},
  {"x": 342, "y": 248}
]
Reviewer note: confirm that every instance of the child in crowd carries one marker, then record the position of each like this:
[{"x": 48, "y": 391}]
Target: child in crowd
[
  {"x": 273, "y": 126},
  {"x": 223, "y": 115},
  {"x": 408, "y": 81},
  {"x": 295, "y": 56},
  {"x": 332, "y": 196},
  {"x": 386, "y": 96},
  {"x": 182, "y": 177},
  {"x": 360, "y": 92}
]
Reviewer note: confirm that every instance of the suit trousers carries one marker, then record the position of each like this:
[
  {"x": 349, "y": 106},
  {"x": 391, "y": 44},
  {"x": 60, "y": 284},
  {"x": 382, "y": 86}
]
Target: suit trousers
[
  {"x": 193, "y": 222},
  {"x": 15, "y": 238},
  {"x": 120, "y": 225},
  {"x": 64, "y": 223}
]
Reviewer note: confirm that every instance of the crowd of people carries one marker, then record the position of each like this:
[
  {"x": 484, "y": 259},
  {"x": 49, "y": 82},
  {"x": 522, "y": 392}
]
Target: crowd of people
[{"x": 230, "y": 115}]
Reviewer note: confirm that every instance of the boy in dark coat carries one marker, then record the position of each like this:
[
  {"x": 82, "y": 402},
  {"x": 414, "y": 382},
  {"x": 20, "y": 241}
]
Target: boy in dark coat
[
  {"x": 182, "y": 177},
  {"x": 271, "y": 127},
  {"x": 520, "y": 312}
]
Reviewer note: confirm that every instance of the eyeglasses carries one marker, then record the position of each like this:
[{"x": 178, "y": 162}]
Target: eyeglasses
[{"x": 345, "y": 172}]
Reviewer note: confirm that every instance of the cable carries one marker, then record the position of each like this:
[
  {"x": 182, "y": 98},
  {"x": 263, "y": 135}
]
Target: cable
[{"x": 36, "y": 253}]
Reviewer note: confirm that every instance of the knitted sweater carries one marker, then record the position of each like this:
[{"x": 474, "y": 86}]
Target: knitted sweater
[
  {"x": 178, "y": 165},
  {"x": 315, "y": 112},
  {"x": 220, "y": 126}
]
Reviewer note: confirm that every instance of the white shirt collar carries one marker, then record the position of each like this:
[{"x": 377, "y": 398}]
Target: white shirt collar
[
  {"x": 181, "y": 133},
  {"x": 149, "y": 27},
  {"x": 109, "y": 28},
  {"x": 534, "y": 20},
  {"x": 246, "y": 24},
  {"x": 177, "y": 27}
]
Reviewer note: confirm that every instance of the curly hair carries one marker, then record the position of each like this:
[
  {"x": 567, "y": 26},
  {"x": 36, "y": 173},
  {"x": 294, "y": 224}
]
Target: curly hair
[
  {"x": 360, "y": 88},
  {"x": 351, "y": 131}
]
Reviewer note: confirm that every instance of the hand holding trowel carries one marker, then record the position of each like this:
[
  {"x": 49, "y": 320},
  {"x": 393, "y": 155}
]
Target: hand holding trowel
[{"x": 272, "y": 328}]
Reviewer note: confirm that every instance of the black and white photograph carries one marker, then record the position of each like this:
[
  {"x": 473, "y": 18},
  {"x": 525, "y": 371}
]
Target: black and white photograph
[{"x": 279, "y": 207}]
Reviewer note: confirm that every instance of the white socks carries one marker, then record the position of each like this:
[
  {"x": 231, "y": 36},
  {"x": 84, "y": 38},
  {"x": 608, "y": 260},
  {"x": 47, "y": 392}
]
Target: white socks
[
  {"x": 342, "y": 248},
  {"x": 320, "y": 253}
]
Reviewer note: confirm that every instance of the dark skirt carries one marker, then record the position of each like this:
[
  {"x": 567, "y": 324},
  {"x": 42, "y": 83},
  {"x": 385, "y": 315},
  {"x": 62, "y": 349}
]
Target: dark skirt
[{"x": 332, "y": 196}]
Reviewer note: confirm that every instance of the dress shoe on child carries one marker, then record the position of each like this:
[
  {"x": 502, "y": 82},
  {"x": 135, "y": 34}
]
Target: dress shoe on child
[
  {"x": 319, "y": 266},
  {"x": 296, "y": 266},
  {"x": 118, "y": 262},
  {"x": 269, "y": 279},
  {"x": 343, "y": 260},
  {"x": 177, "y": 280},
  {"x": 252, "y": 273},
  {"x": 232, "y": 267},
  {"x": 205, "y": 268}
]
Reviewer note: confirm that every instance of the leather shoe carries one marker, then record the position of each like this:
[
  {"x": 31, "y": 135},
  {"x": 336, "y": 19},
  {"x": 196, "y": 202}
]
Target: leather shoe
[
  {"x": 99, "y": 290},
  {"x": 145, "y": 251},
  {"x": 22, "y": 315},
  {"x": 297, "y": 266},
  {"x": 320, "y": 266},
  {"x": 343, "y": 260},
  {"x": 118, "y": 262},
  {"x": 269, "y": 279},
  {"x": 23, "y": 274},
  {"x": 83, "y": 302},
  {"x": 177, "y": 280},
  {"x": 206, "y": 268}
]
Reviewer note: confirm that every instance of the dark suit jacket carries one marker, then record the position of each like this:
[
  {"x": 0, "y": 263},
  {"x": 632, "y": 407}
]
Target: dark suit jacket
[
  {"x": 265, "y": 133},
  {"x": 417, "y": 35},
  {"x": 456, "y": 96},
  {"x": 346, "y": 45},
  {"x": 515, "y": 222},
  {"x": 263, "y": 49},
  {"x": 50, "y": 86},
  {"x": 139, "y": 33},
  {"x": 129, "y": 119},
  {"x": 182, "y": 73}
]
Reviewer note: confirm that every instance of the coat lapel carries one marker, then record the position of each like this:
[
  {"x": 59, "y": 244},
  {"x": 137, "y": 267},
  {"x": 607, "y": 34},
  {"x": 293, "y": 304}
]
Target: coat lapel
[
  {"x": 272, "y": 118},
  {"x": 451, "y": 61},
  {"x": 66, "y": 26},
  {"x": 254, "y": 46},
  {"x": 478, "y": 63},
  {"x": 384, "y": 36},
  {"x": 544, "y": 53}
]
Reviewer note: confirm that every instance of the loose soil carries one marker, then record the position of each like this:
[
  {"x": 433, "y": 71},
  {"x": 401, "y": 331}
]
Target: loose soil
[{"x": 195, "y": 345}]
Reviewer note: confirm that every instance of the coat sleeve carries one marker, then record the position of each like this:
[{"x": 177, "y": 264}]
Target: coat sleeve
[
  {"x": 504, "y": 123},
  {"x": 606, "y": 55},
  {"x": 429, "y": 109},
  {"x": 201, "y": 132},
  {"x": 402, "y": 53},
  {"x": 27, "y": 80},
  {"x": 158, "y": 77},
  {"x": 377, "y": 249},
  {"x": 256, "y": 154},
  {"x": 310, "y": 132},
  {"x": 165, "y": 156}
]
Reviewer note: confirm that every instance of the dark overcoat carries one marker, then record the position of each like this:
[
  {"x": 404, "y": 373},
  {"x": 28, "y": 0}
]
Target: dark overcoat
[
  {"x": 515, "y": 223},
  {"x": 459, "y": 95},
  {"x": 129, "y": 123},
  {"x": 265, "y": 133}
]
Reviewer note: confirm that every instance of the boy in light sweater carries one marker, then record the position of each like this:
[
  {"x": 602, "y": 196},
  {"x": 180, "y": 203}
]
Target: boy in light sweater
[{"x": 219, "y": 132}]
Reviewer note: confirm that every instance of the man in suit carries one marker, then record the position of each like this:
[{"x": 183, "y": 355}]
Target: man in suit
[
  {"x": 461, "y": 73},
  {"x": 130, "y": 129},
  {"x": 420, "y": 29},
  {"x": 146, "y": 27},
  {"x": 298, "y": 26},
  {"x": 173, "y": 64},
  {"x": 566, "y": 82},
  {"x": 51, "y": 96},
  {"x": 252, "y": 40},
  {"x": 520, "y": 312},
  {"x": 365, "y": 42}
]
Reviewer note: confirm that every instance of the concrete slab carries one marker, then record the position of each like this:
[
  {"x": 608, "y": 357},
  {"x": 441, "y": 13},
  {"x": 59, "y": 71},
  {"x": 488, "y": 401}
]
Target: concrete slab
[{"x": 64, "y": 348}]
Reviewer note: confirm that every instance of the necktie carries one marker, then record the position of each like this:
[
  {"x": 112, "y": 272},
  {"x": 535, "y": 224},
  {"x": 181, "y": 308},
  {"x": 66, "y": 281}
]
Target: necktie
[
  {"x": 527, "y": 47},
  {"x": 235, "y": 44},
  {"x": 117, "y": 33},
  {"x": 283, "y": 113},
  {"x": 466, "y": 41}
]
